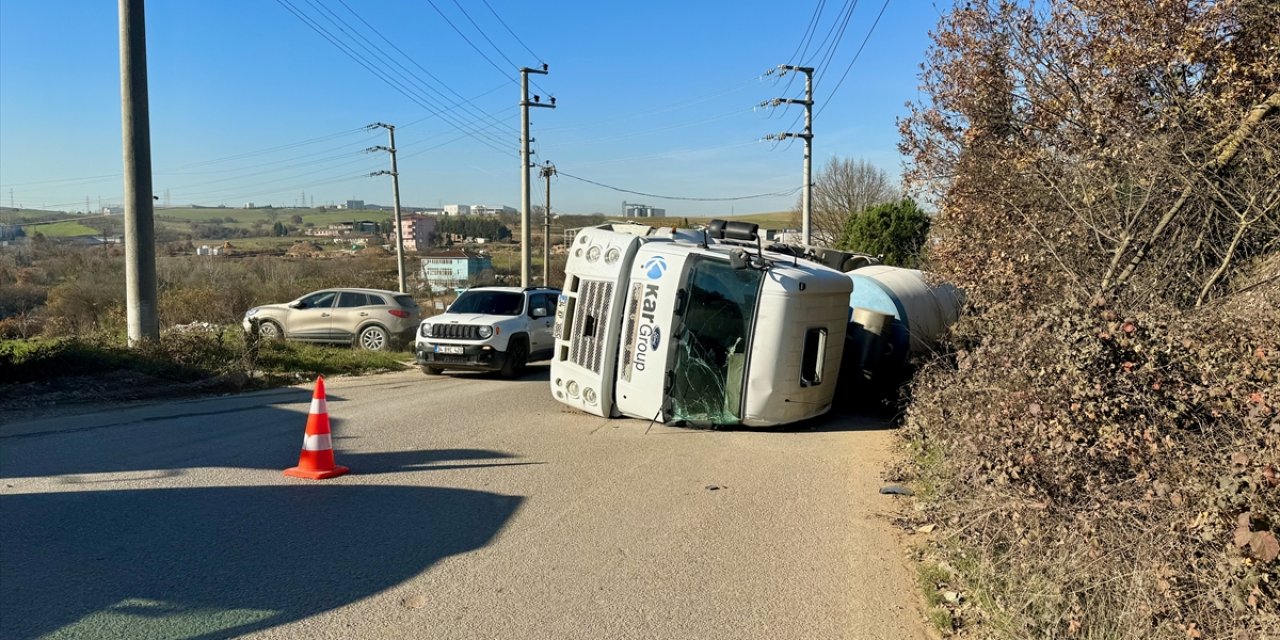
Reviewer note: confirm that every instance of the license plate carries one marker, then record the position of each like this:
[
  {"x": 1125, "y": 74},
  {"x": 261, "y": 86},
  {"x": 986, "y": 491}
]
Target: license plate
[{"x": 450, "y": 349}]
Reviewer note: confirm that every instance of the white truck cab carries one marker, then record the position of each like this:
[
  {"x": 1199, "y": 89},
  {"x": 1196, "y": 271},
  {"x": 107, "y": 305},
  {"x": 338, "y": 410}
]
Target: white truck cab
[{"x": 685, "y": 326}]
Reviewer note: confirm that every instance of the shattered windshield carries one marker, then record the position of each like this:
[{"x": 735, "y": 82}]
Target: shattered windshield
[
  {"x": 711, "y": 346},
  {"x": 493, "y": 303}
]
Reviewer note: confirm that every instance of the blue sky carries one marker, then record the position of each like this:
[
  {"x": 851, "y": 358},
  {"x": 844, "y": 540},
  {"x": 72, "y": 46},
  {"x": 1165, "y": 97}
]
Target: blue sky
[{"x": 250, "y": 104}]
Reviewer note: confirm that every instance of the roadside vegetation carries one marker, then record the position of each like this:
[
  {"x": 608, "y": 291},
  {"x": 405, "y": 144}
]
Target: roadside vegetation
[
  {"x": 62, "y": 304},
  {"x": 1098, "y": 446}
]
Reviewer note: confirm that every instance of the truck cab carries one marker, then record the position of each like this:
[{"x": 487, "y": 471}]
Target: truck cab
[{"x": 680, "y": 326}]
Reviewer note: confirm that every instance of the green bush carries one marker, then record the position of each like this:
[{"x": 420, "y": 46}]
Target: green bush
[{"x": 896, "y": 231}]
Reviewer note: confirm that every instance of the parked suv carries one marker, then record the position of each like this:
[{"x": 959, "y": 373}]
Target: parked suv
[
  {"x": 490, "y": 329},
  {"x": 372, "y": 319}
]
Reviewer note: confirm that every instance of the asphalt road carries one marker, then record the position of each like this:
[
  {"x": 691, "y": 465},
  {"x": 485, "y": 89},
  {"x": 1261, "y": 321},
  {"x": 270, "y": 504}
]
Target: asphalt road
[{"x": 476, "y": 508}]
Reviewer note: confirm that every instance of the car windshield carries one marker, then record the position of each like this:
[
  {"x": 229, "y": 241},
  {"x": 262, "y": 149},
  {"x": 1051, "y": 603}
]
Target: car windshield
[
  {"x": 493, "y": 303},
  {"x": 711, "y": 346}
]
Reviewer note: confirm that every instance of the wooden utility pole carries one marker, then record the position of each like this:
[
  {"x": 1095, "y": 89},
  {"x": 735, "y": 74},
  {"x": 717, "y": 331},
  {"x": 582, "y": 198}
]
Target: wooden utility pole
[
  {"x": 547, "y": 172},
  {"x": 139, "y": 214},
  {"x": 526, "y": 236}
]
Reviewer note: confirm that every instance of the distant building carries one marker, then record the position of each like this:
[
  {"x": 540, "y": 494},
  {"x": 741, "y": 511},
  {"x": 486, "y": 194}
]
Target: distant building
[
  {"x": 454, "y": 268},
  {"x": 483, "y": 210},
  {"x": 113, "y": 211},
  {"x": 631, "y": 210},
  {"x": 456, "y": 210},
  {"x": 353, "y": 204},
  {"x": 418, "y": 232}
]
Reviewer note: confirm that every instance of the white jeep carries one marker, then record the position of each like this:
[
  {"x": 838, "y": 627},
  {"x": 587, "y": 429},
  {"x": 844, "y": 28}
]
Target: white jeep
[{"x": 490, "y": 329}]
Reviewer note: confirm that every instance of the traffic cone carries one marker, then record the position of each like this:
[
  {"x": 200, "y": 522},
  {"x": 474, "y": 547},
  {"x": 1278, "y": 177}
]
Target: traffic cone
[{"x": 316, "y": 461}]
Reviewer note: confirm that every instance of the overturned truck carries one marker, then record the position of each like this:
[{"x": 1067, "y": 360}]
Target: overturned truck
[{"x": 704, "y": 327}]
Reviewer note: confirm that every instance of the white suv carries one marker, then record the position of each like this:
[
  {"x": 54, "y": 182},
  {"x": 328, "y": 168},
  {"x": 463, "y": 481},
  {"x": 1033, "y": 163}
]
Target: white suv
[{"x": 490, "y": 329}]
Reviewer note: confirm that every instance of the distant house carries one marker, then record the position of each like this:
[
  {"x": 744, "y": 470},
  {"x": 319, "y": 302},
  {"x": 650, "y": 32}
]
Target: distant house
[
  {"x": 418, "y": 232},
  {"x": 454, "y": 268}
]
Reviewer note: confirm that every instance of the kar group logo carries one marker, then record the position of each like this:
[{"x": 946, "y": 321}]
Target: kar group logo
[{"x": 654, "y": 267}]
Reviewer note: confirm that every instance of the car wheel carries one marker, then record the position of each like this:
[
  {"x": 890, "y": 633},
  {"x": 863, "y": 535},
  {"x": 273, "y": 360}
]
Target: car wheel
[
  {"x": 432, "y": 371},
  {"x": 373, "y": 338},
  {"x": 517, "y": 354},
  {"x": 269, "y": 331}
]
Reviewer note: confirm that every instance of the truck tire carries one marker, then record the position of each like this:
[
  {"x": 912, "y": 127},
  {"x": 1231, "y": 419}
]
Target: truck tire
[{"x": 517, "y": 355}]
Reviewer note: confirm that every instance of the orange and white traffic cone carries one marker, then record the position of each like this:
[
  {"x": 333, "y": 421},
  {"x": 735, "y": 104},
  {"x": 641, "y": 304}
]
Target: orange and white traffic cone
[{"x": 316, "y": 461}]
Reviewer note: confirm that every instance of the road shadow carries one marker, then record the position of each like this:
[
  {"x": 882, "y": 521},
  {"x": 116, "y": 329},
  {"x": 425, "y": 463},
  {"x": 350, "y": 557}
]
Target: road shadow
[
  {"x": 253, "y": 436},
  {"x": 222, "y": 562},
  {"x": 533, "y": 372}
]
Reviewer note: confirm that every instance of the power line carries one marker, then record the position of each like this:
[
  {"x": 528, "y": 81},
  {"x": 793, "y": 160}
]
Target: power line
[
  {"x": 403, "y": 72},
  {"x": 855, "y": 58},
  {"x": 483, "y": 34},
  {"x": 513, "y": 34},
  {"x": 349, "y": 52},
  {"x": 424, "y": 69},
  {"x": 469, "y": 42},
  {"x": 662, "y": 197},
  {"x": 805, "y": 41}
]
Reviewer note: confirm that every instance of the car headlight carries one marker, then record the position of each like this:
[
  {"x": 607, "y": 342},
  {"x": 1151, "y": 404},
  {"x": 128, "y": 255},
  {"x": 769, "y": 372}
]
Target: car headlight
[
  {"x": 425, "y": 330},
  {"x": 486, "y": 332},
  {"x": 251, "y": 313}
]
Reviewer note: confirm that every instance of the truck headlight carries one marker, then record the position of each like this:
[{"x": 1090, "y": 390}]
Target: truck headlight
[
  {"x": 593, "y": 254},
  {"x": 425, "y": 330},
  {"x": 486, "y": 332},
  {"x": 611, "y": 256}
]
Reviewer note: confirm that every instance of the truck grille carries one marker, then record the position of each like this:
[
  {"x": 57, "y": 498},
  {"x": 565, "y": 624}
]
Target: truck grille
[
  {"x": 589, "y": 334},
  {"x": 456, "y": 331}
]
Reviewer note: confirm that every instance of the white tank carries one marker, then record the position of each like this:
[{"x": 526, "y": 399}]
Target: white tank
[{"x": 921, "y": 311}]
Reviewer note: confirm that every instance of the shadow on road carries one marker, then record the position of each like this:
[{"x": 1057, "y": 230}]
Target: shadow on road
[
  {"x": 221, "y": 562},
  {"x": 252, "y": 437}
]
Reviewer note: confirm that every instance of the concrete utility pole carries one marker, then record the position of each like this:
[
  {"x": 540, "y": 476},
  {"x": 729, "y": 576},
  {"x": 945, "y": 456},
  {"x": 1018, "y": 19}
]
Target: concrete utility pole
[
  {"x": 139, "y": 215},
  {"x": 526, "y": 237},
  {"x": 395, "y": 189},
  {"x": 547, "y": 172},
  {"x": 806, "y": 198}
]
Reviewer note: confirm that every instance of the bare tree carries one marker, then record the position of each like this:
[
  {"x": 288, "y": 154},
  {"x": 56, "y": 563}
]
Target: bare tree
[
  {"x": 1069, "y": 146},
  {"x": 845, "y": 188}
]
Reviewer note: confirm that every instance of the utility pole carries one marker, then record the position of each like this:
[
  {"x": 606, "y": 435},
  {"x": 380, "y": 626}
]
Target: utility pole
[
  {"x": 806, "y": 198},
  {"x": 547, "y": 172},
  {"x": 526, "y": 237},
  {"x": 395, "y": 188},
  {"x": 139, "y": 214}
]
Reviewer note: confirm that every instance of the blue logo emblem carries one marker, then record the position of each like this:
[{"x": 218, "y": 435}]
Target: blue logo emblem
[
  {"x": 655, "y": 339},
  {"x": 654, "y": 267}
]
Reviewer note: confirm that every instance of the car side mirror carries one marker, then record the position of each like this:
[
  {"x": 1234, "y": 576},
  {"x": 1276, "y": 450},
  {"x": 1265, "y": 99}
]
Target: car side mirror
[
  {"x": 539, "y": 312},
  {"x": 297, "y": 304}
]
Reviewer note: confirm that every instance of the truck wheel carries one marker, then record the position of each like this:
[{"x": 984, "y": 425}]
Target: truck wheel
[
  {"x": 432, "y": 371},
  {"x": 516, "y": 357}
]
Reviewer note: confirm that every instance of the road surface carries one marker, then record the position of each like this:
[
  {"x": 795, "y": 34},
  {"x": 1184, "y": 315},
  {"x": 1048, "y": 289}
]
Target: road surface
[{"x": 476, "y": 508}]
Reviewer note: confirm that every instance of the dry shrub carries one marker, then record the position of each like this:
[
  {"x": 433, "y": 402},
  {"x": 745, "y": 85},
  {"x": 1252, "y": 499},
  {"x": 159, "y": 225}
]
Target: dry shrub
[{"x": 1109, "y": 474}]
